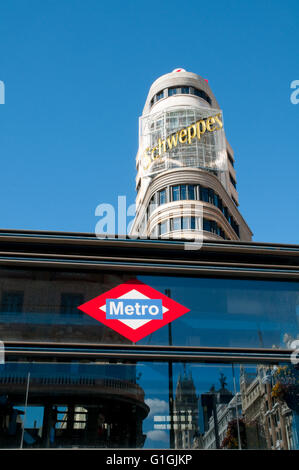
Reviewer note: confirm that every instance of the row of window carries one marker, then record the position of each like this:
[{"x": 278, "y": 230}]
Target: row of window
[
  {"x": 189, "y": 223},
  {"x": 180, "y": 90},
  {"x": 191, "y": 192},
  {"x": 13, "y": 302}
]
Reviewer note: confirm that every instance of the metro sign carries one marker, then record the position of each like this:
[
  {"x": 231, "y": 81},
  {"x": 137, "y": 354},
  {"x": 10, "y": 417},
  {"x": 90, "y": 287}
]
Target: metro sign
[{"x": 133, "y": 309}]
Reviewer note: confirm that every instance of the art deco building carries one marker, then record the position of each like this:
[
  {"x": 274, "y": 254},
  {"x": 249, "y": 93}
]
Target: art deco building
[{"x": 186, "y": 180}]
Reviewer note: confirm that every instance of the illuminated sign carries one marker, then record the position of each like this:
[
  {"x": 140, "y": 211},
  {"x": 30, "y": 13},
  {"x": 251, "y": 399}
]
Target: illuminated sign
[
  {"x": 133, "y": 309},
  {"x": 182, "y": 136}
]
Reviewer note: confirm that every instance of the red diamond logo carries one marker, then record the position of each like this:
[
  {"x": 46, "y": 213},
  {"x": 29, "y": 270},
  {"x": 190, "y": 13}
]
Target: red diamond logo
[{"x": 130, "y": 309}]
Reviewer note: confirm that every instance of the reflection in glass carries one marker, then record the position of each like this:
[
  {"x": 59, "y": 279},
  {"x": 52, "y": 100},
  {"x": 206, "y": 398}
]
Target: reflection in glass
[
  {"x": 223, "y": 312},
  {"x": 215, "y": 406}
]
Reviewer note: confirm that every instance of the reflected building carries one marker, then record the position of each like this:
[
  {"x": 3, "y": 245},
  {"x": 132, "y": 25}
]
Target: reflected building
[
  {"x": 225, "y": 413},
  {"x": 83, "y": 389},
  {"x": 219, "y": 407},
  {"x": 269, "y": 421},
  {"x": 185, "y": 412},
  {"x": 50, "y": 300},
  {"x": 83, "y": 405}
]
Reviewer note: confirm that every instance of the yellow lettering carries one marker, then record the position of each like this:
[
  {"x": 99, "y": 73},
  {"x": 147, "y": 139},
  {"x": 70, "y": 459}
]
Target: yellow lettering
[
  {"x": 183, "y": 136},
  {"x": 172, "y": 141},
  {"x": 200, "y": 124},
  {"x": 193, "y": 134},
  {"x": 152, "y": 152},
  {"x": 210, "y": 121},
  {"x": 161, "y": 143},
  {"x": 218, "y": 120}
]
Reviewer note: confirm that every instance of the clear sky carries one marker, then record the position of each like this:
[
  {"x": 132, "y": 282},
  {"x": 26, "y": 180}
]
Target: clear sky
[{"x": 77, "y": 74}]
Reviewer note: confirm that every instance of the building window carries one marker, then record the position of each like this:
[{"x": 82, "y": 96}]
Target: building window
[
  {"x": 188, "y": 223},
  {"x": 185, "y": 223},
  {"x": 70, "y": 302},
  {"x": 152, "y": 206},
  {"x": 194, "y": 192},
  {"x": 181, "y": 90},
  {"x": 191, "y": 191},
  {"x": 183, "y": 191},
  {"x": 12, "y": 302},
  {"x": 207, "y": 225},
  {"x": 211, "y": 196},
  {"x": 172, "y": 91},
  {"x": 163, "y": 227},
  {"x": 176, "y": 223},
  {"x": 204, "y": 194},
  {"x": 175, "y": 193},
  {"x": 160, "y": 95},
  {"x": 202, "y": 94},
  {"x": 162, "y": 196}
]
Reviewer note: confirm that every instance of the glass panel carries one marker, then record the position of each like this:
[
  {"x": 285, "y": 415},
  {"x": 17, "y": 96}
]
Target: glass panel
[
  {"x": 12, "y": 301},
  {"x": 223, "y": 312},
  {"x": 183, "y": 191},
  {"x": 163, "y": 227},
  {"x": 172, "y": 91},
  {"x": 185, "y": 89},
  {"x": 162, "y": 196},
  {"x": 211, "y": 196},
  {"x": 175, "y": 193},
  {"x": 176, "y": 223},
  {"x": 204, "y": 194},
  {"x": 149, "y": 405},
  {"x": 185, "y": 223},
  {"x": 70, "y": 302},
  {"x": 206, "y": 225},
  {"x": 191, "y": 191}
]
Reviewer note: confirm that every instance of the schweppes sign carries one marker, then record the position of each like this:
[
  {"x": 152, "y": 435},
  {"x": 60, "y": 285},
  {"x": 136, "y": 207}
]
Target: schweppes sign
[{"x": 185, "y": 135}]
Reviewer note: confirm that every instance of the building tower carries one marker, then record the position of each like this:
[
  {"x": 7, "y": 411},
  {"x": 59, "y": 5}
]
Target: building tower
[
  {"x": 185, "y": 411},
  {"x": 186, "y": 181}
]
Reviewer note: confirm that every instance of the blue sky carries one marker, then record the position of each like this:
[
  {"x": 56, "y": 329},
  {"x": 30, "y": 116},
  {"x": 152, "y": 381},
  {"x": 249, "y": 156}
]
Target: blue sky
[{"x": 76, "y": 77}]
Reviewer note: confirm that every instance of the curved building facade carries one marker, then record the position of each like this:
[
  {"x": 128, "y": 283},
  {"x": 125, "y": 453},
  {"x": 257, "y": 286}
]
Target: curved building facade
[{"x": 186, "y": 181}]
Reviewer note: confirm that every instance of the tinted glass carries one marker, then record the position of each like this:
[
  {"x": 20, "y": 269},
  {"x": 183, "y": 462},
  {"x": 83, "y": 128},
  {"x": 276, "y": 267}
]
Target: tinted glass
[
  {"x": 222, "y": 312},
  {"x": 172, "y": 91},
  {"x": 183, "y": 191},
  {"x": 185, "y": 90},
  {"x": 191, "y": 191},
  {"x": 175, "y": 193},
  {"x": 105, "y": 405},
  {"x": 162, "y": 196}
]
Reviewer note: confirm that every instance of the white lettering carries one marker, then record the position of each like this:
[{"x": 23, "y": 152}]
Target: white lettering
[
  {"x": 155, "y": 308},
  {"x": 129, "y": 310},
  {"x": 114, "y": 310}
]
